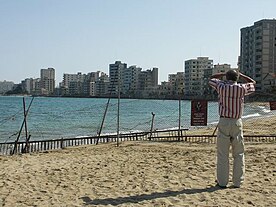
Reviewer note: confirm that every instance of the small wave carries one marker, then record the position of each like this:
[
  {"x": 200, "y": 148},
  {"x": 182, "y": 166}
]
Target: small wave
[
  {"x": 212, "y": 123},
  {"x": 251, "y": 115},
  {"x": 266, "y": 110},
  {"x": 122, "y": 132},
  {"x": 84, "y": 136}
]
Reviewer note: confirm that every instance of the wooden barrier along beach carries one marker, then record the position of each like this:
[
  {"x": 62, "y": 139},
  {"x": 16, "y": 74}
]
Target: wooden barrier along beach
[{"x": 10, "y": 148}]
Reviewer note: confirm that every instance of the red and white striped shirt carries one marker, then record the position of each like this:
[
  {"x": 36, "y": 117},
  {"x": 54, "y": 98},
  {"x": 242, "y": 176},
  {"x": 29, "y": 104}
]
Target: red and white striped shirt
[{"x": 231, "y": 96}]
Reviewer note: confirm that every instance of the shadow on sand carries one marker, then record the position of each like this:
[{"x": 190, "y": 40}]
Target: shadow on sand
[{"x": 145, "y": 197}]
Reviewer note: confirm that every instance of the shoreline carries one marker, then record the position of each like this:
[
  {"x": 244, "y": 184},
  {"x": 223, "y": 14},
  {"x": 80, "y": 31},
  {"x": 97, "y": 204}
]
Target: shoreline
[
  {"x": 84, "y": 126},
  {"x": 249, "y": 128}
]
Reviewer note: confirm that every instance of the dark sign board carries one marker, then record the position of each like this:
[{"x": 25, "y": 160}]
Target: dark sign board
[
  {"x": 272, "y": 105},
  {"x": 199, "y": 113}
]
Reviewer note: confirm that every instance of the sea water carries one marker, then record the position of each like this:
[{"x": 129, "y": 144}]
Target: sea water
[{"x": 54, "y": 118}]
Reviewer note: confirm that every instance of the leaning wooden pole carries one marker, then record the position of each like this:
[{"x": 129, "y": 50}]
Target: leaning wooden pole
[
  {"x": 105, "y": 112},
  {"x": 152, "y": 123},
  {"x": 25, "y": 120},
  {"x": 22, "y": 125},
  {"x": 215, "y": 130},
  {"x": 27, "y": 147}
]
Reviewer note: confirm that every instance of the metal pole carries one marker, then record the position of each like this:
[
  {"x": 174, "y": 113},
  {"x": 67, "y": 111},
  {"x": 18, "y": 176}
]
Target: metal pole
[
  {"x": 118, "y": 110},
  {"x": 179, "y": 118}
]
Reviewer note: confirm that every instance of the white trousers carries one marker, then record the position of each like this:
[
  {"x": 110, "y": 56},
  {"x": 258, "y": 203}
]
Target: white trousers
[{"x": 230, "y": 134}]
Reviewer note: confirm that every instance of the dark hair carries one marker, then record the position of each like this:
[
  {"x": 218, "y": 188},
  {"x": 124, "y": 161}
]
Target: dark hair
[{"x": 232, "y": 75}]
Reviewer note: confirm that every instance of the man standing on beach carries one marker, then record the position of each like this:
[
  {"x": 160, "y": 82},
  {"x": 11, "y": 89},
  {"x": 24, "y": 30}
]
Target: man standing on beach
[{"x": 231, "y": 102}]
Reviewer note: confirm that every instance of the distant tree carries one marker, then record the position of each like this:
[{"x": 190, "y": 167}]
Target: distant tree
[{"x": 17, "y": 90}]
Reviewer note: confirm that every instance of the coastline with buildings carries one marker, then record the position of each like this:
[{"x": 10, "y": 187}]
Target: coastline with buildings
[
  {"x": 109, "y": 103},
  {"x": 257, "y": 59},
  {"x": 156, "y": 171}
]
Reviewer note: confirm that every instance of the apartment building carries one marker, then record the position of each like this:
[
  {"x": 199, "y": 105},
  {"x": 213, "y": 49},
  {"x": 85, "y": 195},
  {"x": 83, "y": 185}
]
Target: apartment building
[
  {"x": 89, "y": 86},
  {"x": 165, "y": 89},
  {"x": 32, "y": 85},
  {"x": 194, "y": 75},
  {"x": 258, "y": 53},
  {"x": 115, "y": 76},
  {"x": 130, "y": 79},
  {"x": 177, "y": 83},
  {"x": 221, "y": 68},
  {"x": 80, "y": 84},
  {"x": 148, "y": 79},
  {"x": 72, "y": 84},
  {"x": 102, "y": 85},
  {"x": 68, "y": 78},
  {"x": 47, "y": 78}
]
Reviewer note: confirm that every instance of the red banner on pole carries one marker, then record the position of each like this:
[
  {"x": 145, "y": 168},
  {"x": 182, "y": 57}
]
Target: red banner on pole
[
  {"x": 199, "y": 113},
  {"x": 272, "y": 105}
]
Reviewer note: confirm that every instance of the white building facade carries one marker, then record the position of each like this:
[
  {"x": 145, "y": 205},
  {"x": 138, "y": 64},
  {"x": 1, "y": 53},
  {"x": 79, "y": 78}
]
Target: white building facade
[
  {"x": 258, "y": 53},
  {"x": 47, "y": 78},
  {"x": 194, "y": 75}
]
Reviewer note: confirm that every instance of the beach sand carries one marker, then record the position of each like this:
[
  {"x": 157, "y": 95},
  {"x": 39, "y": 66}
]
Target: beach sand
[{"x": 134, "y": 174}]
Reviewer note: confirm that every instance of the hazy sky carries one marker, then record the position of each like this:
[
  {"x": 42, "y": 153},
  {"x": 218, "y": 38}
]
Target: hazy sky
[{"x": 87, "y": 35}]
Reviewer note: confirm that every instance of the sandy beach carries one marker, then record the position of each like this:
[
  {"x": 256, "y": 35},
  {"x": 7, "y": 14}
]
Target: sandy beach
[{"x": 134, "y": 174}]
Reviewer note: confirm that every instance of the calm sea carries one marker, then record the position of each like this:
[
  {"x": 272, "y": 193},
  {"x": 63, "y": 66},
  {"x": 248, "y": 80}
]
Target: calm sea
[{"x": 54, "y": 118}]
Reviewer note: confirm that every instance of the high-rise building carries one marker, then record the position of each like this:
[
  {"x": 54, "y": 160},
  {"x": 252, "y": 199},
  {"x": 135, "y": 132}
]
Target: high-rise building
[
  {"x": 80, "y": 84},
  {"x": 148, "y": 79},
  {"x": 89, "y": 86},
  {"x": 32, "y": 86},
  {"x": 194, "y": 75},
  {"x": 258, "y": 53},
  {"x": 177, "y": 83},
  {"x": 130, "y": 78},
  {"x": 115, "y": 76},
  {"x": 75, "y": 83},
  {"x": 47, "y": 78},
  {"x": 102, "y": 85},
  {"x": 221, "y": 68},
  {"x": 69, "y": 78}
]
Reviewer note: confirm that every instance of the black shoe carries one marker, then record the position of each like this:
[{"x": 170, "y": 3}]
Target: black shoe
[{"x": 221, "y": 186}]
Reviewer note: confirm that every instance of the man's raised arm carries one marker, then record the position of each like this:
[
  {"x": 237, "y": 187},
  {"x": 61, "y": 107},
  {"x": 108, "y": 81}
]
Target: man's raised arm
[{"x": 246, "y": 78}]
